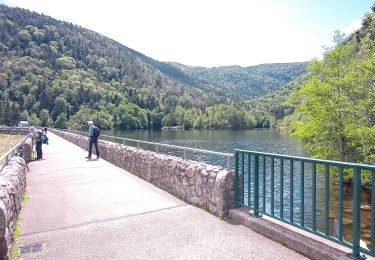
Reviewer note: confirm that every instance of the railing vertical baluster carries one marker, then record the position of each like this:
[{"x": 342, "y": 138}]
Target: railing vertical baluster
[
  {"x": 302, "y": 193},
  {"x": 326, "y": 200},
  {"x": 291, "y": 191},
  {"x": 373, "y": 212},
  {"x": 228, "y": 163},
  {"x": 157, "y": 148},
  {"x": 236, "y": 158},
  {"x": 124, "y": 141},
  {"x": 249, "y": 180},
  {"x": 243, "y": 178},
  {"x": 256, "y": 187},
  {"x": 113, "y": 139},
  {"x": 356, "y": 213},
  {"x": 264, "y": 183},
  {"x": 185, "y": 154},
  {"x": 341, "y": 203},
  {"x": 281, "y": 188},
  {"x": 272, "y": 186},
  {"x": 314, "y": 196}
]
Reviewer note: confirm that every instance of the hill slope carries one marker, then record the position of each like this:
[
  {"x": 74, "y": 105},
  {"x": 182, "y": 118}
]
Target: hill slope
[
  {"x": 241, "y": 83},
  {"x": 57, "y": 73}
]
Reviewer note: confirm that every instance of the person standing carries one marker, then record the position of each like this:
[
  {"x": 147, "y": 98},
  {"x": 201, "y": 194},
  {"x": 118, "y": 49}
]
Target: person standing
[
  {"x": 94, "y": 133},
  {"x": 38, "y": 142}
]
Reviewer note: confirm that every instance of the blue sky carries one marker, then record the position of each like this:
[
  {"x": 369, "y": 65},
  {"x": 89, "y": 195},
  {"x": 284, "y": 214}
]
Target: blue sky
[{"x": 213, "y": 32}]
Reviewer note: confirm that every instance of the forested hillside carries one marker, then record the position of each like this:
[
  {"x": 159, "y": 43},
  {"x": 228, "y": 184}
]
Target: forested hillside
[
  {"x": 57, "y": 73},
  {"x": 335, "y": 107},
  {"x": 241, "y": 83}
]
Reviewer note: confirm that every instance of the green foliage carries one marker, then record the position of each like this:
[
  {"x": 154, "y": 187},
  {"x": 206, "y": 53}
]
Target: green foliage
[
  {"x": 61, "y": 121},
  {"x": 54, "y": 67},
  {"x": 335, "y": 107},
  {"x": 34, "y": 120},
  {"x": 44, "y": 117}
]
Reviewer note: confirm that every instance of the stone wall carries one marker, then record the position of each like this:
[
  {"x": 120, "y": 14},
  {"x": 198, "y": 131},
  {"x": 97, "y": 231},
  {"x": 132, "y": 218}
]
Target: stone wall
[
  {"x": 27, "y": 150},
  {"x": 195, "y": 182},
  {"x": 12, "y": 187}
]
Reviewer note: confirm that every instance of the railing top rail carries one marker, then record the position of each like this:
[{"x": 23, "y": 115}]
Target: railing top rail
[
  {"x": 159, "y": 144},
  {"x": 312, "y": 160},
  {"x": 6, "y": 155}
]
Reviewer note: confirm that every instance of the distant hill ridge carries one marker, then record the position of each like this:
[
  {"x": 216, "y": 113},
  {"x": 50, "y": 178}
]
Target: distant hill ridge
[{"x": 54, "y": 72}]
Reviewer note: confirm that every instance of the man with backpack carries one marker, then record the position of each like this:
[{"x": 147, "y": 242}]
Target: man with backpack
[
  {"x": 39, "y": 138},
  {"x": 94, "y": 133}
]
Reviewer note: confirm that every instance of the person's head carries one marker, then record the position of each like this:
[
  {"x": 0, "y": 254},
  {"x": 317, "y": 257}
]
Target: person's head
[
  {"x": 31, "y": 128},
  {"x": 90, "y": 123}
]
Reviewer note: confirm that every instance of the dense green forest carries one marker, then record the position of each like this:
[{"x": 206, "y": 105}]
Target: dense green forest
[
  {"x": 335, "y": 106},
  {"x": 59, "y": 74},
  {"x": 241, "y": 83}
]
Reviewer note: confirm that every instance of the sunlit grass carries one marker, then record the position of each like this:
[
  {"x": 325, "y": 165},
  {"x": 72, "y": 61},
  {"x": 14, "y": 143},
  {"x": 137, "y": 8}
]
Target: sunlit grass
[{"x": 8, "y": 141}]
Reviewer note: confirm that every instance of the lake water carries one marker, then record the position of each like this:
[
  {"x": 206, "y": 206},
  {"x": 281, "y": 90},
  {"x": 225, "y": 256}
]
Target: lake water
[
  {"x": 225, "y": 141},
  {"x": 271, "y": 141}
]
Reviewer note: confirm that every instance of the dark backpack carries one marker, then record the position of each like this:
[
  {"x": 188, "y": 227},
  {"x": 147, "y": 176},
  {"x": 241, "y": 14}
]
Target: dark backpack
[
  {"x": 95, "y": 131},
  {"x": 43, "y": 137}
]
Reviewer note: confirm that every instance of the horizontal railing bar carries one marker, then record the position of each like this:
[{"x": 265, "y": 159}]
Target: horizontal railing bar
[
  {"x": 159, "y": 144},
  {"x": 312, "y": 160},
  {"x": 318, "y": 233},
  {"x": 6, "y": 155}
]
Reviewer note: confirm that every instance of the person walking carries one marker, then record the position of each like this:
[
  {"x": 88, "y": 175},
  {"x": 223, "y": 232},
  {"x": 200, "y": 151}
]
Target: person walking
[{"x": 94, "y": 133}]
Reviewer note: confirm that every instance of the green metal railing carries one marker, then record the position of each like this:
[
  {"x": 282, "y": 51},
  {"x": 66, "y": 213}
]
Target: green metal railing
[{"x": 307, "y": 193}]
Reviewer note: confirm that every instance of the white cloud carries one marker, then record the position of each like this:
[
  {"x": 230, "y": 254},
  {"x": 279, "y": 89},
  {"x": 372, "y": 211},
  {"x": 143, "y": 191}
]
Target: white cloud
[
  {"x": 194, "y": 32},
  {"x": 353, "y": 26}
]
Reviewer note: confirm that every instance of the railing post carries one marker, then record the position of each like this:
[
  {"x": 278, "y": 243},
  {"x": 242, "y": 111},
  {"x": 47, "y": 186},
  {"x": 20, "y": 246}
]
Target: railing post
[
  {"x": 228, "y": 163},
  {"x": 256, "y": 188},
  {"x": 184, "y": 154},
  {"x": 236, "y": 179},
  {"x": 356, "y": 214}
]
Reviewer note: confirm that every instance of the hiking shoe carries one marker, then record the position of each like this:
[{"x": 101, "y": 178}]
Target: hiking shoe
[{"x": 88, "y": 157}]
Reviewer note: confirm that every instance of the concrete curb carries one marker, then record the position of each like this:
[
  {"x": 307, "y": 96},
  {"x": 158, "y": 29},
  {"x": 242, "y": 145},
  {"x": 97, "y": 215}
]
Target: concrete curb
[{"x": 300, "y": 243}]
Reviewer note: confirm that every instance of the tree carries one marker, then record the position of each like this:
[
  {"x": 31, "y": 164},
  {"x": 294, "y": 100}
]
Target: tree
[
  {"x": 60, "y": 106},
  {"x": 44, "y": 117},
  {"x": 34, "y": 120},
  {"x": 61, "y": 121}
]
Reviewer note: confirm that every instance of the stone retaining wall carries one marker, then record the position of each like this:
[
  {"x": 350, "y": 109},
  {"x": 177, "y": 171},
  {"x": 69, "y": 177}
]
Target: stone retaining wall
[
  {"x": 12, "y": 187},
  {"x": 195, "y": 182}
]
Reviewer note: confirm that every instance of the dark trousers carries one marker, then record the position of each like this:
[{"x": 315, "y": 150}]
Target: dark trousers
[
  {"x": 38, "y": 148},
  {"x": 95, "y": 142}
]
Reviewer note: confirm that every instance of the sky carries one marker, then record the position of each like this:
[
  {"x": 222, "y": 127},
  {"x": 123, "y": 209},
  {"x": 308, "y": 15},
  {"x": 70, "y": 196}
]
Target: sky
[{"x": 213, "y": 33}]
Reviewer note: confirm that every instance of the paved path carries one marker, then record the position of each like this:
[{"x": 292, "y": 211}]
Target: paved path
[{"x": 82, "y": 209}]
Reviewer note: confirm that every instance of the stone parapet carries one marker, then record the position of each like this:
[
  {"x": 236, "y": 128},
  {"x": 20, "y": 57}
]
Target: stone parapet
[
  {"x": 197, "y": 183},
  {"x": 27, "y": 150},
  {"x": 12, "y": 187}
]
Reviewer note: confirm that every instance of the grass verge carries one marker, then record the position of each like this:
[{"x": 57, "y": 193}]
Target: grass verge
[{"x": 14, "y": 250}]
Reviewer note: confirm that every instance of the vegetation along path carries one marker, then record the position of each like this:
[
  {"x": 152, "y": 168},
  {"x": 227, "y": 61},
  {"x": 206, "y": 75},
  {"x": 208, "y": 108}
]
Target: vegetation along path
[{"x": 82, "y": 209}]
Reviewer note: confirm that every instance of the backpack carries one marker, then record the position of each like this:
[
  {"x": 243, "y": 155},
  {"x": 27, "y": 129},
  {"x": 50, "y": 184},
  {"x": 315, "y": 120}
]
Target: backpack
[
  {"x": 43, "y": 137},
  {"x": 95, "y": 131}
]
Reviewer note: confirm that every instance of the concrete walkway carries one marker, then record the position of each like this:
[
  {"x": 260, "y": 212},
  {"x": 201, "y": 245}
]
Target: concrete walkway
[{"x": 81, "y": 209}]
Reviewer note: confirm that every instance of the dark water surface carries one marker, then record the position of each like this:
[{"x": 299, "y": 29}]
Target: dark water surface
[
  {"x": 224, "y": 141},
  {"x": 270, "y": 141}
]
